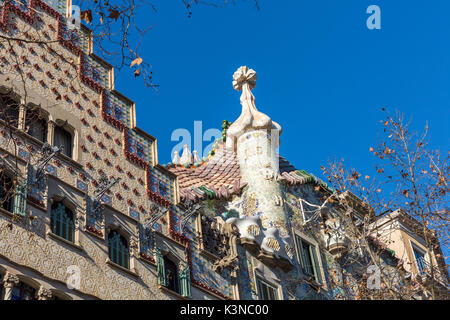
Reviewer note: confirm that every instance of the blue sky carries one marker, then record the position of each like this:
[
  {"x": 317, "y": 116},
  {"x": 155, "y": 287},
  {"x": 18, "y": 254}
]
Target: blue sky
[{"x": 321, "y": 73}]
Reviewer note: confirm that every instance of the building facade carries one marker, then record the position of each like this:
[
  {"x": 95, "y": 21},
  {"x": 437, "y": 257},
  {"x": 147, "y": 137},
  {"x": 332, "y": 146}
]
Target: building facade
[{"x": 87, "y": 212}]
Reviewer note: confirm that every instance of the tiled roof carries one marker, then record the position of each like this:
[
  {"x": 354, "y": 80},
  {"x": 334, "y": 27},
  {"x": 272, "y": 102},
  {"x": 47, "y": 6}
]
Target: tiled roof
[{"x": 220, "y": 176}]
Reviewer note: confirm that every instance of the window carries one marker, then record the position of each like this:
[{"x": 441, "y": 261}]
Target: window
[
  {"x": 172, "y": 277},
  {"x": 9, "y": 110},
  {"x": 420, "y": 260},
  {"x": 6, "y": 193},
  {"x": 63, "y": 138},
  {"x": 308, "y": 259},
  {"x": 266, "y": 291},
  {"x": 23, "y": 292},
  {"x": 61, "y": 221},
  {"x": 36, "y": 125},
  {"x": 171, "y": 271},
  {"x": 118, "y": 249}
]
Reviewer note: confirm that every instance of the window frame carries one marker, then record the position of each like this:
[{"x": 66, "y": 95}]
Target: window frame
[
  {"x": 61, "y": 129},
  {"x": 318, "y": 276},
  {"x": 11, "y": 100},
  {"x": 183, "y": 274},
  {"x": 415, "y": 248},
  {"x": 177, "y": 283},
  {"x": 64, "y": 219},
  {"x": 260, "y": 282},
  {"x": 23, "y": 287},
  {"x": 122, "y": 252},
  {"x": 42, "y": 118},
  {"x": 10, "y": 200}
]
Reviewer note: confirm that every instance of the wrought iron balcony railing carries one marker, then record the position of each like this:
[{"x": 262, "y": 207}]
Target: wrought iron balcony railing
[{"x": 428, "y": 270}]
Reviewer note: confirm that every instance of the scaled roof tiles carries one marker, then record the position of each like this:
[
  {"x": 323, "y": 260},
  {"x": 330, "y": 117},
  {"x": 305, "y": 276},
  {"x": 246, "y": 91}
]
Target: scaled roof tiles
[{"x": 220, "y": 176}]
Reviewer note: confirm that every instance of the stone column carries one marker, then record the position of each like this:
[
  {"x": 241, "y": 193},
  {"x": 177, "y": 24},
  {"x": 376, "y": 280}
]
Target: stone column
[
  {"x": 44, "y": 294},
  {"x": 50, "y": 132},
  {"x": 9, "y": 282},
  {"x": 22, "y": 116}
]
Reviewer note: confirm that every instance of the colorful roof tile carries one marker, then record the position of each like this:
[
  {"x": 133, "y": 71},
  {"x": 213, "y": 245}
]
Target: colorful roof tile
[{"x": 220, "y": 176}]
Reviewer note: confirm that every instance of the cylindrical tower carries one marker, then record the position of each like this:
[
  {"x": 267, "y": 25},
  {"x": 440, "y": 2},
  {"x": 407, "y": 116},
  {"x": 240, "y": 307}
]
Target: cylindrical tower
[{"x": 255, "y": 139}]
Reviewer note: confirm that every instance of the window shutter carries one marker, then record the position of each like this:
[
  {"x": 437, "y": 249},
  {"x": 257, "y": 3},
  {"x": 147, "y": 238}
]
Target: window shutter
[
  {"x": 315, "y": 263},
  {"x": 20, "y": 199},
  {"x": 160, "y": 268},
  {"x": 301, "y": 252},
  {"x": 185, "y": 279}
]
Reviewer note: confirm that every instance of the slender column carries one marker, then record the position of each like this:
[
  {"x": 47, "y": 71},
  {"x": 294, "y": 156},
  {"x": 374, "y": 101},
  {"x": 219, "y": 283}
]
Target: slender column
[
  {"x": 50, "y": 132},
  {"x": 9, "y": 282},
  {"x": 22, "y": 115}
]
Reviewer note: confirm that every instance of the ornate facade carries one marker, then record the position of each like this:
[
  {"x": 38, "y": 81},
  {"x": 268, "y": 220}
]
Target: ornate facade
[{"x": 89, "y": 213}]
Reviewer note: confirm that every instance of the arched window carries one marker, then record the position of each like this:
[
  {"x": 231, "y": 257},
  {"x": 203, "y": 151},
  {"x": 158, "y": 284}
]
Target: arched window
[
  {"x": 6, "y": 193},
  {"x": 61, "y": 221},
  {"x": 9, "y": 110},
  {"x": 118, "y": 249},
  {"x": 23, "y": 292},
  {"x": 63, "y": 138},
  {"x": 36, "y": 124}
]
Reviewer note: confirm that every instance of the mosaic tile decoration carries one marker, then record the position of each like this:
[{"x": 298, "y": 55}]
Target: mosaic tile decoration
[
  {"x": 22, "y": 4},
  {"x": 202, "y": 270},
  {"x": 51, "y": 169},
  {"x": 96, "y": 71},
  {"x": 58, "y": 5},
  {"x": 140, "y": 146},
  {"x": 91, "y": 219},
  {"x": 82, "y": 186},
  {"x": 118, "y": 108},
  {"x": 162, "y": 184},
  {"x": 176, "y": 222},
  {"x": 70, "y": 34},
  {"x": 84, "y": 41},
  {"x": 246, "y": 277},
  {"x": 23, "y": 153},
  {"x": 106, "y": 199},
  {"x": 134, "y": 214},
  {"x": 146, "y": 238}
]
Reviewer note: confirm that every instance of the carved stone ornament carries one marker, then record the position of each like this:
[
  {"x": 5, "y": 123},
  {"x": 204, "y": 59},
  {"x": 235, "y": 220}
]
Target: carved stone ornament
[
  {"x": 133, "y": 246},
  {"x": 227, "y": 262},
  {"x": 215, "y": 239},
  {"x": 44, "y": 294},
  {"x": 244, "y": 79},
  {"x": 10, "y": 280}
]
